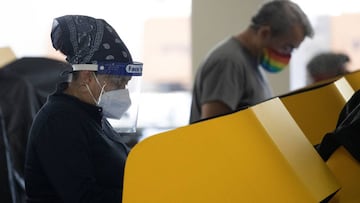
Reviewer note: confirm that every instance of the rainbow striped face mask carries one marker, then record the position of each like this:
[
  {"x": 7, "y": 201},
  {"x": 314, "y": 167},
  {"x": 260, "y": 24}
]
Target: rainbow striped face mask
[{"x": 273, "y": 61}]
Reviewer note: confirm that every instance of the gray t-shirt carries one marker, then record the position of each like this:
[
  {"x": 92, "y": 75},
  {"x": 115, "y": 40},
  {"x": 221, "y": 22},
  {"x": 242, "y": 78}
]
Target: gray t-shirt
[{"x": 229, "y": 74}]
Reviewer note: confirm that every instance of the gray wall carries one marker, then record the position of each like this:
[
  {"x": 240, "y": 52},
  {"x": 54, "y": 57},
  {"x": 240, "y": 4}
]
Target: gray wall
[{"x": 213, "y": 20}]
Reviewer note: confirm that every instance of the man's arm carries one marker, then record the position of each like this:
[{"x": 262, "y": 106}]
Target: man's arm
[{"x": 214, "y": 108}]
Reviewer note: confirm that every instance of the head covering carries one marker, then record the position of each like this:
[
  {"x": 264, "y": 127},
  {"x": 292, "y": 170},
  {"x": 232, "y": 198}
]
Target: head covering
[{"x": 86, "y": 40}]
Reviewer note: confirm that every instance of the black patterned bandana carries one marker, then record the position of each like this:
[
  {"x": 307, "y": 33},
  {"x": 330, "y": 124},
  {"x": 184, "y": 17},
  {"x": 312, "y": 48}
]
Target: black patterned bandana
[{"x": 86, "y": 40}]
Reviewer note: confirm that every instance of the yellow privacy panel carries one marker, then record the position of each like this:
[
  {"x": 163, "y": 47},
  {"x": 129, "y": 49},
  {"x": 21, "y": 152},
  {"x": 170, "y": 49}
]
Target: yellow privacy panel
[
  {"x": 296, "y": 149},
  {"x": 354, "y": 79},
  {"x": 316, "y": 110},
  {"x": 254, "y": 155},
  {"x": 347, "y": 171},
  {"x": 6, "y": 56}
]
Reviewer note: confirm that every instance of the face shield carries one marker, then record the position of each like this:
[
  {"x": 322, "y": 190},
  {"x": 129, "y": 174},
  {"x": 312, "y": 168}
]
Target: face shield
[{"x": 120, "y": 101}]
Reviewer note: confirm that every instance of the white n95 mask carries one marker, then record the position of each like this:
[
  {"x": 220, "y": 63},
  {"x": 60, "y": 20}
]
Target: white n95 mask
[{"x": 115, "y": 103}]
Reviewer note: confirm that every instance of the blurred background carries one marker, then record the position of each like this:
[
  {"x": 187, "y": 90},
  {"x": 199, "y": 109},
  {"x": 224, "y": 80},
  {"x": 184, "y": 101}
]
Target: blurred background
[{"x": 171, "y": 37}]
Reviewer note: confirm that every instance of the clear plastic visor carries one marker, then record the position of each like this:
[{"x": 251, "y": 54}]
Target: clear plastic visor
[{"x": 120, "y": 99}]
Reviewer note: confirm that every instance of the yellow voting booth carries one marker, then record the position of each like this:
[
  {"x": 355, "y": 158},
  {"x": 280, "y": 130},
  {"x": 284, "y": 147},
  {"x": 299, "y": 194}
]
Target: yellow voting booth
[
  {"x": 255, "y": 155},
  {"x": 354, "y": 79},
  {"x": 345, "y": 168},
  {"x": 347, "y": 171},
  {"x": 316, "y": 109}
]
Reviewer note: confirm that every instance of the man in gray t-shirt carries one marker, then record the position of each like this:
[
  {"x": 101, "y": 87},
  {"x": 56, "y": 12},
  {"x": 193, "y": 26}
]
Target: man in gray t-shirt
[
  {"x": 231, "y": 75},
  {"x": 230, "y": 78}
]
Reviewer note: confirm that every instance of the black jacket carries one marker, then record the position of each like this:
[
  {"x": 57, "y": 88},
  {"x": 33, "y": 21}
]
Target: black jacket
[{"x": 69, "y": 158}]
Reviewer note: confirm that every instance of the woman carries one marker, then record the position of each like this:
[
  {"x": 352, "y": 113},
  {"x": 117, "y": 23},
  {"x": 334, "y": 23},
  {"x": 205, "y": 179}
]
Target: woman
[{"x": 70, "y": 157}]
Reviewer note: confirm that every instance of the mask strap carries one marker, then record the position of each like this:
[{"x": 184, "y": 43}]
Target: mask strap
[
  {"x": 87, "y": 86},
  {"x": 102, "y": 88},
  {"x": 101, "y": 93},
  {"x": 97, "y": 101}
]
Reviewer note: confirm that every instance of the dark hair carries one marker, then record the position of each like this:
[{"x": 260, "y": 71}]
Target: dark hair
[
  {"x": 327, "y": 65},
  {"x": 281, "y": 15}
]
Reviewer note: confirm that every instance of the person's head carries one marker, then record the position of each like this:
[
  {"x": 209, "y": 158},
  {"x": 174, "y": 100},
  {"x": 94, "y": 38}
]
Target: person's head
[
  {"x": 279, "y": 26},
  {"x": 99, "y": 57},
  {"x": 104, "y": 73},
  {"x": 327, "y": 65},
  {"x": 282, "y": 25}
]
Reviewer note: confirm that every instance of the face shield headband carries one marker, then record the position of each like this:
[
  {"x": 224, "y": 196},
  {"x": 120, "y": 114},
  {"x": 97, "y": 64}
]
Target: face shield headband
[
  {"x": 127, "y": 122},
  {"x": 112, "y": 68}
]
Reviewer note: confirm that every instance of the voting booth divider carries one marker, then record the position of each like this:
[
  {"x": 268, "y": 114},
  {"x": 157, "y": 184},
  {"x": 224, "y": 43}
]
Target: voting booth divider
[
  {"x": 316, "y": 109},
  {"x": 263, "y": 153},
  {"x": 354, "y": 79},
  {"x": 346, "y": 169},
  {"x": 258, "y": 154}
]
